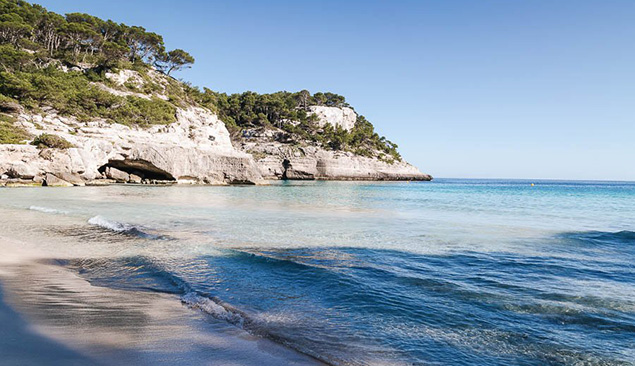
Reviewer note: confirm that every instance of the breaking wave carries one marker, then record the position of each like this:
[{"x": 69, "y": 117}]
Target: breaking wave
[
  {"x": 48, "y": 210},
  {"x": 122, "y": 228},
  {"x": 213, "y": 308}
]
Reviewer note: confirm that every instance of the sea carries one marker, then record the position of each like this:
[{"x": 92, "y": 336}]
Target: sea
[{"x": 448, "y": 272}]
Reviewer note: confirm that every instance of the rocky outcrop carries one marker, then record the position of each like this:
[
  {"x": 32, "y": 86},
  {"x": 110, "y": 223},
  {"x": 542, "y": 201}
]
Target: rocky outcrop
[
  {"x": 279, "y": 158},
  {"x": 282, "y": 161},
  {"x": 343, "y": 117},
  {"x": 195, "y": 149}
]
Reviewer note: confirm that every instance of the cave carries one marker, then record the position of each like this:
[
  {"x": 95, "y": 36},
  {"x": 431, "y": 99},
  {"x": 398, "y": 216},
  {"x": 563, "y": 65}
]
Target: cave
[{"x": 141, "y": 168}]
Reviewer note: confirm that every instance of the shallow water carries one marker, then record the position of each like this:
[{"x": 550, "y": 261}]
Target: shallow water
[{"x": 446, "y": 272}]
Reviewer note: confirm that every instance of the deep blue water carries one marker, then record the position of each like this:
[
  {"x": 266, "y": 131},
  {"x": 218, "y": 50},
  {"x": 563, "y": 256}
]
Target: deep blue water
[{"x": 461, "y": 272}]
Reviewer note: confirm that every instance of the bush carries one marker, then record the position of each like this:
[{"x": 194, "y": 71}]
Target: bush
[
  {"x": 51, "y": 141},
  {"x": 36, "y": 43},
  {"x": 144, "y": 112},
  {"x": 72, "y": 94},
  {"x": 10, "y": 133}
]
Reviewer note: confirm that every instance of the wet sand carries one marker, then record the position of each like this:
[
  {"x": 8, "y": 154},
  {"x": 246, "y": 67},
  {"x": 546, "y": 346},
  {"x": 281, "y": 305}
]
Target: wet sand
[
  {"x": 51, "y": 316},
  {"x": 21, "y": 345}
]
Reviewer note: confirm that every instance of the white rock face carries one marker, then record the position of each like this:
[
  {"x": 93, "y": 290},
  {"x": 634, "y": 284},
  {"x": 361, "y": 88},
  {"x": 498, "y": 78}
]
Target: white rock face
[
  {"x": 123, "y": 76},
  {"x": 194, "y": 149},
  {"x": 344, "y": 117},
  {"x": 283, "y": 161}
]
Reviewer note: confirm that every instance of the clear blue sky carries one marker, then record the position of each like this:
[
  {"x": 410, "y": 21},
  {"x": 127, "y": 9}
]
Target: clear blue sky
[{"x": 473, "y": 88}]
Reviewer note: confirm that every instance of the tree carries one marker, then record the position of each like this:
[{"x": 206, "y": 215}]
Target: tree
[
  {"x": 108, "y": 29},
  {"x": 112, "y": 52},
  {"x": 319, "y": 98},
  {"x": 143, "y": 45},
  {"x": 303, "y": 99},
  {"x": 79, "y": 35},
  {"x": 13, "y": 28},
  {"x": 173, "y": 60},
  {"x": 47, "y": 31}
]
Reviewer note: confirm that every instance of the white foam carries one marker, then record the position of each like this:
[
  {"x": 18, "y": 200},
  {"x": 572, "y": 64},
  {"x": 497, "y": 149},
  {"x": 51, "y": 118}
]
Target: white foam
[
  {"x": 47, "y": 210},
  {"x": 212, "y": 308},
  {"x": 110, "y": 225}
]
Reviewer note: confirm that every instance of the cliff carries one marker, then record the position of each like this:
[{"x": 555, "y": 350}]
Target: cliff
[
  {"x": 196, "y": 148},
  {"x": 100, "y": 107},
  {"x": 279, "y": 159}
]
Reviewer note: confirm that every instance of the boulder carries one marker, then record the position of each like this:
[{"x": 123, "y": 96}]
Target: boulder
[
  {"x": 11, "y": 107},
  {"x": 51, "y": 180},
  {"x": 21, "y": 170},
  {"x": 135, "y": 179},
  {"x": 117, "y": 175},
  {"x": 73, "y": 178}
]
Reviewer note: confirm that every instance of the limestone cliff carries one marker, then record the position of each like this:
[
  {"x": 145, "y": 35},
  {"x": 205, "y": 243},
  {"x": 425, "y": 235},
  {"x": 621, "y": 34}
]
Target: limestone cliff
[
  {"x": 303, "y": 160},
  {"x": 197, "y": 148},
  {"x": 85, "y": 100}
]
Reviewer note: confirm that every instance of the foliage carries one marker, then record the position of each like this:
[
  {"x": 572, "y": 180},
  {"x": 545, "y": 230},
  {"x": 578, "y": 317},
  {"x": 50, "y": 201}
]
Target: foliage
[
  {"x": 51, "y": 141},
  {"x": 173, "y": 60},
  {"x": 73, "y": 94},
  {"x": 38, "y": 47},
  {"x": 10, "y": 133},
  {"x": 79, "y": 37},
  {"x": 289, "y": 112},
  {"x": 144, "y": 112}
]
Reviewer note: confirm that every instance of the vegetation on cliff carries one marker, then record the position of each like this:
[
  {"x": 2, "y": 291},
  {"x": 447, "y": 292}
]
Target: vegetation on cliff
[
  {"x": 290, "y": 112},
  {"x": 9, "y": 132},
  {"x": 51, "y": 141},
  {"x": 50, "y": 60}
]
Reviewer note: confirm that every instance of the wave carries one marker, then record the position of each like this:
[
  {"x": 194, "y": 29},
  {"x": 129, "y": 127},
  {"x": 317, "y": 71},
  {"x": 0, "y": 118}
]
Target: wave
[
  {"x": 603, "y": 237},
  {"x": 331, "y": 299},
  {"x": 253, "y": 325},
  {"x": 214, "y": 308},
  {"x": 623, "y": 236},
  {"x": 110, "y": 225},
  {"x": 144, "y": 274},
  {"x": 48, "y": 210},
  {"x": 122, "y": 228}
]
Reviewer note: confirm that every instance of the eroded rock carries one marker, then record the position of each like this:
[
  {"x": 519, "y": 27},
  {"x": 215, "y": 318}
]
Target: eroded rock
[
  {"x": 51, "y": 180},
  {"x": 197, "y": 146}
]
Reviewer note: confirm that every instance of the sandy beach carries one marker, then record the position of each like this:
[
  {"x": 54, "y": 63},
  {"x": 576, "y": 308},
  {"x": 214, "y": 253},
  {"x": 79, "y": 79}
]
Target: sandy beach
[{"x": 50, "y": 315}]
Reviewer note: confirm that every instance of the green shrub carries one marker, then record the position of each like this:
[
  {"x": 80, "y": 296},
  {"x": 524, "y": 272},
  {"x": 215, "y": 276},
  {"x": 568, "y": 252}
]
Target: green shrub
[
  {"x": 10, "y": 133},
  {"x": 33, "y": 38},
  {"x": 72, "y": 94},
  {"x": 52, "y": 141},
  {"x": 144, "y": 112}
]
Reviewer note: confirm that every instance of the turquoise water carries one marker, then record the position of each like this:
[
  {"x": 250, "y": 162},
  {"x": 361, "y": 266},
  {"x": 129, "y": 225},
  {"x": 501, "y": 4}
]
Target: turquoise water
[{"x": 467, "y": 272}]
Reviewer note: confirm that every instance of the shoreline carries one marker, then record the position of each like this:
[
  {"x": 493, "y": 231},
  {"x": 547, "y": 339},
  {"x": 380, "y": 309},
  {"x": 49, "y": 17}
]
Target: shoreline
[
  {"x": 19, "y": 183},
  {"x": 266, "y": 182},
  {"x": 49, "y": 310}
]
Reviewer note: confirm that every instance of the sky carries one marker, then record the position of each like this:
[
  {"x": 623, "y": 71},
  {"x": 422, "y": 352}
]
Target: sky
[{"x": 473, "y": 89}]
